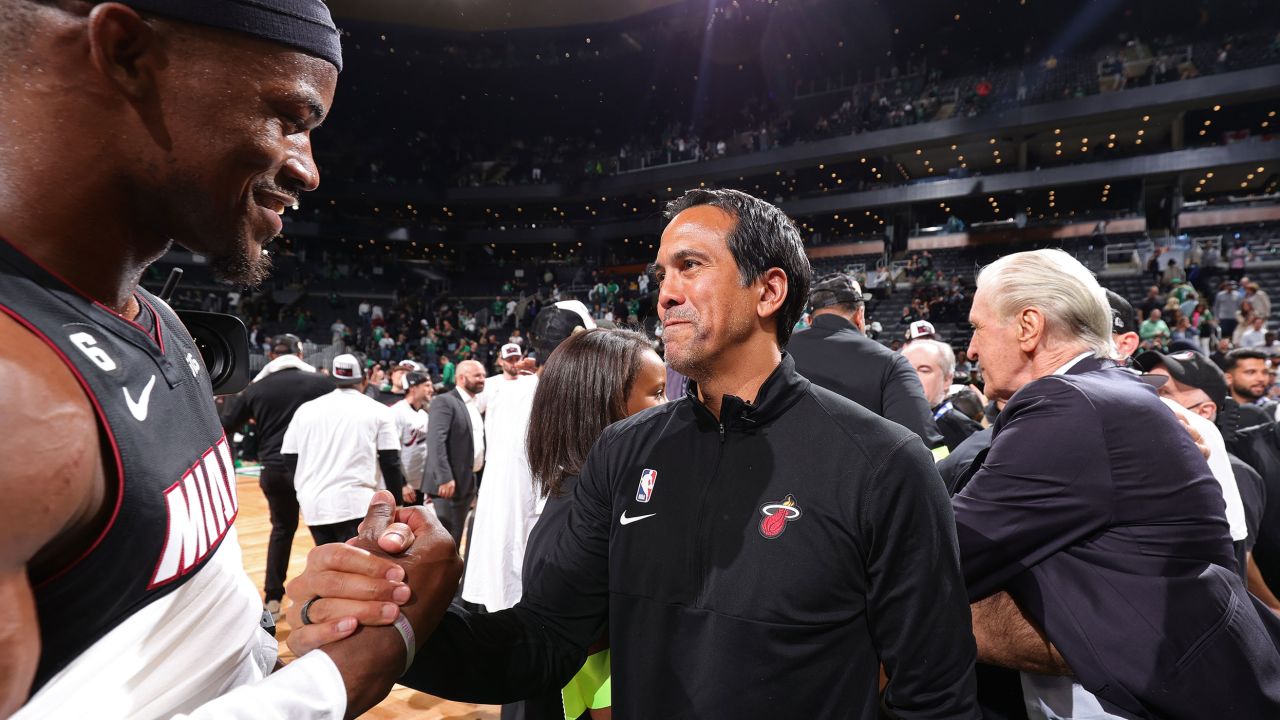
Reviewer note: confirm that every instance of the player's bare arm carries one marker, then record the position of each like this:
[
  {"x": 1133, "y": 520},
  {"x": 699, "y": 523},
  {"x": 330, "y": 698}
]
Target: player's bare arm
[{"x": 54, "y": 489}]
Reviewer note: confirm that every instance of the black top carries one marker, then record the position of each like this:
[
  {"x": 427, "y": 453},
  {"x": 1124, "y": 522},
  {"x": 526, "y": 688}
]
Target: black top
[
  {"x": 953, "y": 425},
  {"x": 1253, "y": 496},
  {"x": 1252, "y": 414},
  {"x": 759, "y": 566},
  {"x": 542, "y": 542},
  {"x": 957, "y": 468},
  {"x": 1259, "y": 447},
  {"x": 168, "y": 467},
  {"x": 271, "y": 402},
  {"x": 387, "y": 397},
  {"x": 834, "y": 355}
]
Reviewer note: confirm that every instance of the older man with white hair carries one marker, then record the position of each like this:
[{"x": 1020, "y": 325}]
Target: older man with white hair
[
  {"x": 1096, "y": 512},
  {"x": 935, "y": 364}
]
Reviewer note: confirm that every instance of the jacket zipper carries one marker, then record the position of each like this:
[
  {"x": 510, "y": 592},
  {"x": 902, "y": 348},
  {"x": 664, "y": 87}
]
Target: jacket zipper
[{"x": 702, "y": 554}]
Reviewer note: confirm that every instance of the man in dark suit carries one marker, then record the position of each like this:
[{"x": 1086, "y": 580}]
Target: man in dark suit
[
  {"x": 1095, "y": 511},
  {"x": 455, "y": 448},
  {"x": 835, "y": 354}
]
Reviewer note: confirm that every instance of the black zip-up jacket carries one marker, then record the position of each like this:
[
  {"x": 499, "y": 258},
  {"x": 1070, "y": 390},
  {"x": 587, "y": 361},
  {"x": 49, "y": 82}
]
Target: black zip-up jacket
[
  {"x": 834, "y": 354},
  {"x": 759, "y": 566}
]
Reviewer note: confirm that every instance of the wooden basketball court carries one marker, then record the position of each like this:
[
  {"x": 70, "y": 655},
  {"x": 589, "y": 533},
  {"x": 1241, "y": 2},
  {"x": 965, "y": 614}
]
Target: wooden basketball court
[{"x": 254, "y": 527}]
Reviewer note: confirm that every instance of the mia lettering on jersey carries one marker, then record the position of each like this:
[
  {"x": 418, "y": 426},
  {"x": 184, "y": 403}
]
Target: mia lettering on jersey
[{"x": 202, "y": 506}]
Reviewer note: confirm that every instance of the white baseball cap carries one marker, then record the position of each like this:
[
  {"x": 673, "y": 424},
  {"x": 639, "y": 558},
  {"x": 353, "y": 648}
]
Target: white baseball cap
[
  {"x": 921, "y": 329},
  {"x": 510, "y": 350},
  {"x": 347, "y": 370}
]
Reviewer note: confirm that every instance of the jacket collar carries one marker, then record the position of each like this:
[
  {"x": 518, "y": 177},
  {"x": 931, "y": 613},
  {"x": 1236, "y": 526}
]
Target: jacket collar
[
  {"x": 782, "y": 389},
  {"x": 1089, "y": 364}
]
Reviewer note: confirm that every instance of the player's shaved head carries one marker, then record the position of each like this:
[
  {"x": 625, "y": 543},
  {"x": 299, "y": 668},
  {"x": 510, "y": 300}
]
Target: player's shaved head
[{"x": 470, "y": 366}]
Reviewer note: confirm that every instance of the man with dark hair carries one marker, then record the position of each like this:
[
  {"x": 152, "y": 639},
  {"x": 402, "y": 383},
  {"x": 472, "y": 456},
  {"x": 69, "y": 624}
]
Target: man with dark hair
[
  {"x": 283, "y": 385},
  {"x": 129, "y": 126},
  {"x": 835, "y": 354},
  {"x": 1248, "y": 377},
  {"x": 746, "y": 545}
]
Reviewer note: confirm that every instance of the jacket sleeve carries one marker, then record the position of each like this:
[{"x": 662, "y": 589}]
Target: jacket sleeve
[
  {"x": 438, "y": 470},
  {"x": 1044, "y": 484},
  {"x": 236, "y": 412},
  {"x": 916, "y": 602},
  {"x": 904, "y": 402},
  {"x": 538, "y": 645}
]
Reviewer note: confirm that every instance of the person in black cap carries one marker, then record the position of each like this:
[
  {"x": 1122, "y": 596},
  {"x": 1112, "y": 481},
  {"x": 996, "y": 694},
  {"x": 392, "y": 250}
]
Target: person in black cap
[
  {"x": 835, "y": 354},
  {"x": 1124, "y": 324},
  {"x": 129, "y": 126}
]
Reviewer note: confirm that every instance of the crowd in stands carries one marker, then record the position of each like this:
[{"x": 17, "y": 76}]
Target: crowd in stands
[
  {"x": 390, "y": 315},
  {"x": 913, "y": 93}
]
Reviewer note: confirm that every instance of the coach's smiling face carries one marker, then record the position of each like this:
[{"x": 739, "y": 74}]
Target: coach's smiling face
[{"x": 704, "y": 307}]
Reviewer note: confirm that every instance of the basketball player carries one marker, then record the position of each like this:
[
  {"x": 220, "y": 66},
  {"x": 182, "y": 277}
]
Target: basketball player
[{"x": 127, "y": 125}]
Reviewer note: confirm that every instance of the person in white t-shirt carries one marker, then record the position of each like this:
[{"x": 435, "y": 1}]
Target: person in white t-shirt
[
  {"x": 344, "y": 448},
  {"x": 411, "y": 426}
]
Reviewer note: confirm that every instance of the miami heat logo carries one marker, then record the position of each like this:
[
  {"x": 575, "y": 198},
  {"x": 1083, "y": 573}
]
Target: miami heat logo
[{"x": 776, "y": 516}]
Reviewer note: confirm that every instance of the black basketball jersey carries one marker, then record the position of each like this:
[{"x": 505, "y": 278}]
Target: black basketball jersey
[{"x": 170, "y": 478}]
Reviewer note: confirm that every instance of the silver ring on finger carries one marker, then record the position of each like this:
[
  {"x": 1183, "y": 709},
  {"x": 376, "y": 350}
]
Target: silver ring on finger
[{"x": 306, "y": 611}]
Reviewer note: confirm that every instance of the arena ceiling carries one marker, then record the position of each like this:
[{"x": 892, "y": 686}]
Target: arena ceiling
[{"x": 486, "y": 15}]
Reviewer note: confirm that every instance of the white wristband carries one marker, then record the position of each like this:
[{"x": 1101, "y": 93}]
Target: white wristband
[{"x": 410, "y": 641}]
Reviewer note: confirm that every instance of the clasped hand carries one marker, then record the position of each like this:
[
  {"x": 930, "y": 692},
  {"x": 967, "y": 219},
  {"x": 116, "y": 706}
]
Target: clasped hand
[{"x": 403, "y": 560}]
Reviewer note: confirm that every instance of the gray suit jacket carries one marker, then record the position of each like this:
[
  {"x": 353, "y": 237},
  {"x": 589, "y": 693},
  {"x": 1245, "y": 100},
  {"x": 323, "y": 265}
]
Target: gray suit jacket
[{"x": 450, "y": 446}]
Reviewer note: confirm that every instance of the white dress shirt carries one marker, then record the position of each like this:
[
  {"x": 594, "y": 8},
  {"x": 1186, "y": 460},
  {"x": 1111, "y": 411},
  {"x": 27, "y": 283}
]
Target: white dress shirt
[{"x": 477, "y": 426}]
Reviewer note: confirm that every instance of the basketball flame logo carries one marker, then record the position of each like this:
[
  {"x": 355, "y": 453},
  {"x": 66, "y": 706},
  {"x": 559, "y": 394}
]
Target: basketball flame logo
[{"x": 776, "y": 516}]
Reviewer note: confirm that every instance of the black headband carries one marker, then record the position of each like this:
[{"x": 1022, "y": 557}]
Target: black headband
[{"x": 302, "y": 24}]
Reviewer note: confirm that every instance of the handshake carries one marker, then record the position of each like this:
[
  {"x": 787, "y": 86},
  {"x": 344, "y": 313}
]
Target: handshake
[{"x": 351, "y": 596}]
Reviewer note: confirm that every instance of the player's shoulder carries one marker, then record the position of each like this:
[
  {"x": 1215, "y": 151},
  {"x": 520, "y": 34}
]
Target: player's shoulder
[
  {"x": 36, "y": 378},
  {"x": 48, "y": 428}
]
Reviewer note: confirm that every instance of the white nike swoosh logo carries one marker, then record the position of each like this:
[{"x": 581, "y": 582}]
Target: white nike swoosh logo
[
  {"x": 139, "y": 409},
  {"x": 624, "y": 520}
]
